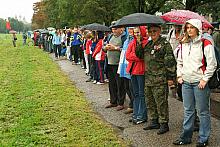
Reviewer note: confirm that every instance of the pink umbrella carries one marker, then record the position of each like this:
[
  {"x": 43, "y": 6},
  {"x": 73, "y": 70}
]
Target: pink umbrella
[
  {"x": 12, "y": 32},
  {"x": 181, "y": 16}
]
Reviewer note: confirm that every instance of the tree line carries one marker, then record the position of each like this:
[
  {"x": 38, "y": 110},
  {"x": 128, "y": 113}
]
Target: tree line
[
  {"x": 61, "y": 13},
  {"x": 16, "y": 25}
]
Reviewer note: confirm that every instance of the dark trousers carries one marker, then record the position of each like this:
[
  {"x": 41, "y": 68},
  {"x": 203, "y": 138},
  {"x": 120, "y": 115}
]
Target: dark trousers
[
  {"x": 57, "y": 50},
  {"x": 91, "y": 67},
  {"x": 99, "y": 71},
  {"x": 116, "y": 86},
  {"x": 105, "y": 67},
  {"x": 74, "y": 50},
  {"x": 128, "y": 89}
]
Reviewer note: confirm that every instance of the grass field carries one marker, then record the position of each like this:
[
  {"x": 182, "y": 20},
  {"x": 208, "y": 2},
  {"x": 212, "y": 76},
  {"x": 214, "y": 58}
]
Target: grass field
[{"x": 41, "y": 107}]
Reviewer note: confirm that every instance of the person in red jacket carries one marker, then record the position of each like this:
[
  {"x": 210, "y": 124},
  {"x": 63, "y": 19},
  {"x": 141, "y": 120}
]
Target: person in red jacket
[
  {"x": 136, "y": 67},
  {"x": 99, "y": 56},
  {"x": 88, "y": 52}
]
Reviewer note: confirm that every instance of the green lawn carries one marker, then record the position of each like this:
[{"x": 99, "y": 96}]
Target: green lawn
[{"x": 41, "y": 107}]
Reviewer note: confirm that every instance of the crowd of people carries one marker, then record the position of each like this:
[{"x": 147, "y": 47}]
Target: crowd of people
[{"x": 139, "y": 62}]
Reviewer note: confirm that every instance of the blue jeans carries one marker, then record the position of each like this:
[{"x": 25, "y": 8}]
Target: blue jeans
[
  {"x": 139, "y": 105},
  {"x": 199, "y": 99}
]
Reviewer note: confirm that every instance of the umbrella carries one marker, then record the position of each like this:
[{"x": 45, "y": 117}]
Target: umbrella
[
  {"x": 12, "y": 32},
  {"x": 51, "y": 28},
  {"x": 96, "y": 27},
  {"x": 138, "y": 19},
  {"x": 44, "y": 32},
  {"x": 181, "y": 16}
]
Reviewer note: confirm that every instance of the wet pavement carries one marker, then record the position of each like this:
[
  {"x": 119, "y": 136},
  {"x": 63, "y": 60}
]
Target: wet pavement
[{"x": 98, "y": 96}]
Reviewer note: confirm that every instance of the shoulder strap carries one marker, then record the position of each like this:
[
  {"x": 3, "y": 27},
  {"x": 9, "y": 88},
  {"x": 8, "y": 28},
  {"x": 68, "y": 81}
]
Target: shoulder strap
[
  {"x": 204, "y": 63},
  {"x": 180, "y": 50},
  {"x": 170, "y": 35}
]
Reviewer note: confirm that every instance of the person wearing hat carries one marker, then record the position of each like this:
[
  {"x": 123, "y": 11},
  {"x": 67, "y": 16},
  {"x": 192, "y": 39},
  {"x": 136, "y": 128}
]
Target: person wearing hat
[
  {"x": 160, "y": 71},
  {"x": 116, "y": 84},
  {"x": 194, "y": 76}
]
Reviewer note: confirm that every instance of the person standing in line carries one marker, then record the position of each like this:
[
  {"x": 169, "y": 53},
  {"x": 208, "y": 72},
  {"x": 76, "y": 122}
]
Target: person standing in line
[
  {"x": 99, "y": 57},
  {"x": 123, "y": 74},
  {"x": 160, "y": 71},
  {"x": 88, "y": 52},
  {"x": 194, "y": 75},
  {"x": 75, "y": 45},
  {"x": 57, "y": 44},
  {"x": 116, "y": 85},
  {"x": 68, "y": 36},
  {"x": 136, "y": 68}
]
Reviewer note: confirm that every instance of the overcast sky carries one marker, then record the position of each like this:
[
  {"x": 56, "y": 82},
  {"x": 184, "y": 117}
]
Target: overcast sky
[{"x": 12, "y": 8}]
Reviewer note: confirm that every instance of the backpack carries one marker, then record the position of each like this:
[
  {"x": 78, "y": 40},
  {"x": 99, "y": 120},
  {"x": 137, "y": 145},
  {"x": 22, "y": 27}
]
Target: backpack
[{"x": 214, "y": 81}]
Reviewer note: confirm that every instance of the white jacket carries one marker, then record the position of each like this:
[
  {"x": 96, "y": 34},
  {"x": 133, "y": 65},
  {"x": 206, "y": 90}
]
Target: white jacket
[{"x": 189, "y": 61}]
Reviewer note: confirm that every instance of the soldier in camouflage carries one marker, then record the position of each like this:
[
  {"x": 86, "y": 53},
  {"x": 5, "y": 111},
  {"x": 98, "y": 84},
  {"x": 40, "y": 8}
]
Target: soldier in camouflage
[{"x": 160, "y": 71}]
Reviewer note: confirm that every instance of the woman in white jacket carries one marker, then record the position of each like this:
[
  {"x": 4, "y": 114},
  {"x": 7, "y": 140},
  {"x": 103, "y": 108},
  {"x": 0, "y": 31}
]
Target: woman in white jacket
[{"x": 194, "y": 75}]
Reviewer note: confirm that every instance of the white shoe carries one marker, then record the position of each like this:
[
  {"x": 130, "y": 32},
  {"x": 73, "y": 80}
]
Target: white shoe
[
  {"x": 94, "y": 82},
  {"x": 99, "y": 83},
  {"x": 106, "y": 80}
]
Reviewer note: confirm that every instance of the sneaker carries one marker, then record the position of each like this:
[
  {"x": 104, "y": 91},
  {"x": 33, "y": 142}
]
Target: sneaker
[
  {"x": 109, "y": 99},
  {"x": 94, "y": 82},
  {"x": 99, "y": 83},
  {"x": 132, "y": 120},
  {"x": 180, "y": 142},
  {"x": 89, "y": 80},
  {"x": 199, "y": 144},
  {"x": 106, "y": 80},
  {"x": 137, "y": 122},
  {"x": 128, "y": 111}
]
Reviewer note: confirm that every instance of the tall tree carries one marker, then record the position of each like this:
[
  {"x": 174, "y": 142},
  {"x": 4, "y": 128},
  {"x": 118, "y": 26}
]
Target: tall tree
[
  {"x": 39, "y": 17},
  {"x": 193, "y": 5}
]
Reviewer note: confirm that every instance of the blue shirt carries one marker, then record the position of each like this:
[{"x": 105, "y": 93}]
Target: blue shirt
[{"x": 56, "y": 39}]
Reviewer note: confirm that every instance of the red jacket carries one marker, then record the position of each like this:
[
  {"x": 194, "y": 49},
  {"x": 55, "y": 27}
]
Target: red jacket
[
  {"x": 98, "y": 53},
  {"x": 138, "y": 64},
  {"x": 88, "y": 46}
]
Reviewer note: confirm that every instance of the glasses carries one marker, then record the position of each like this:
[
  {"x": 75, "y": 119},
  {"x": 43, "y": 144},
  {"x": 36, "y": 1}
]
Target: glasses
[{"x": 152, "y": 31}]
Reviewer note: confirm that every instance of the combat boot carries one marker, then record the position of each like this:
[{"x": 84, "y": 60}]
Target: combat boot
[
  {"x": 153, "y": 125},
  {"x": 163, "y": 128}
]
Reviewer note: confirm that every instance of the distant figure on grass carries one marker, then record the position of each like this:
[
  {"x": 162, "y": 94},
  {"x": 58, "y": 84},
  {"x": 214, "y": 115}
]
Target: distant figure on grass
[
  {"x": 24, "y": 36},
  {"x": 14, "y": 38}
]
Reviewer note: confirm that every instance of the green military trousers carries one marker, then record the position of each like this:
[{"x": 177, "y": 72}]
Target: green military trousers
[{"x": 157, "y": 102}]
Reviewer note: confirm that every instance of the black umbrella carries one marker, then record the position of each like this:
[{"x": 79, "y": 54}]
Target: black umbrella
[
  {"x": 96, "y": 27},
  {"x": 138, "y": 19}
]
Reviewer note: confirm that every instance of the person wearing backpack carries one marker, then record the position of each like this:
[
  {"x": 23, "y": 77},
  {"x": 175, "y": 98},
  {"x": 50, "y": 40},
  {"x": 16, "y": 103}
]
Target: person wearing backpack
[
  {"x": 174, "y": 37},
  {"x": 195, "y": 90}
]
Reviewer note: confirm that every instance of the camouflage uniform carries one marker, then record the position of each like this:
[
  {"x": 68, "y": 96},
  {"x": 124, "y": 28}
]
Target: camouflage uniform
[{"x": 160, "y": 66}]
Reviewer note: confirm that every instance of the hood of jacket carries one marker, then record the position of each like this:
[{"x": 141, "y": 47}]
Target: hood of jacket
[{"x": 196, "y": 23}]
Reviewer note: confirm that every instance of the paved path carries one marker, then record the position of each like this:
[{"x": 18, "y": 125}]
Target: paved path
[{"x": 97, "y": 95}]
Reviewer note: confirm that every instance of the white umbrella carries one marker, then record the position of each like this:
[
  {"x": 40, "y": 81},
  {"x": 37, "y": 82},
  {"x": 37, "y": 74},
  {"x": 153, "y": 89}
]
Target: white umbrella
[{"x": 50, "y": 29}]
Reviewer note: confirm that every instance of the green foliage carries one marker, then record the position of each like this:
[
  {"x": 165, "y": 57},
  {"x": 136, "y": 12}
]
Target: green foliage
[
  {"x": 41, "y": 107},
  {"x": 16, "y": 25},
  {"x": 62, "y": 13}
]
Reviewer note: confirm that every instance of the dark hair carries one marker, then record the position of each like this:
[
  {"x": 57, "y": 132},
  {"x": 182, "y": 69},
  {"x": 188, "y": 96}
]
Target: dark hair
[{"x": 100, "y": 34}]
